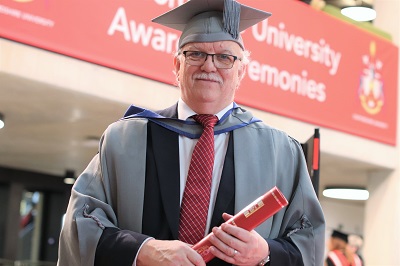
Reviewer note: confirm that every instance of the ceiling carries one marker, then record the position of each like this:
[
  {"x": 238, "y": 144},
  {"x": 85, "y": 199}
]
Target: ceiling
[
  {"x": 47, "y": 128},
  {"x": 339, "y": 4},
  {"x": 344, "y": 3}
]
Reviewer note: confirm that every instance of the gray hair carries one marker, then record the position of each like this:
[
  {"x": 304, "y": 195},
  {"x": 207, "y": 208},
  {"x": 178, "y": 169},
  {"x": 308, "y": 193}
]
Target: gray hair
[{"x": 355, "y": 241}]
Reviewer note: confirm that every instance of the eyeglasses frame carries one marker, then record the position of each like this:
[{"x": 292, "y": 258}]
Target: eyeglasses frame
[{"x": 212, "y": 58}]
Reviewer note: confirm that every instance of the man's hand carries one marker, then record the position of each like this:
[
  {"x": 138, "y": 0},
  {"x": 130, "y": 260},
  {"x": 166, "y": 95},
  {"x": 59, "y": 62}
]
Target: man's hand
[
  {"x": 163, "y": 252},
  {"x": 238, "y": 246}
]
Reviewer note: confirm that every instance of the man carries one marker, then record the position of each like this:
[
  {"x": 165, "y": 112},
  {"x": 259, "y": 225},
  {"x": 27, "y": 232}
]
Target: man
[
  {"x": 130, "y": 206},
  {"x": 337, "y": 255},
  {"x": 353, "y": 247}
]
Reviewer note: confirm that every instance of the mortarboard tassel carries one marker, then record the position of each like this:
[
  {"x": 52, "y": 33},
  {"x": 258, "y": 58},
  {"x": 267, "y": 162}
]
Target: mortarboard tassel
[{"x": 231, "y": 20}]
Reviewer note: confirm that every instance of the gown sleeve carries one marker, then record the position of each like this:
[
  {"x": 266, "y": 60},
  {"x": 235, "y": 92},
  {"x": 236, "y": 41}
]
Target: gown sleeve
[
  {"x": 94, "y": 215},
  {"x": 302, "y": 232}
]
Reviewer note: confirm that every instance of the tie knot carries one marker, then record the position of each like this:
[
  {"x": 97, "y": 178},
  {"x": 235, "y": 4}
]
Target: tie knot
[{"x": 206, "y": 120}]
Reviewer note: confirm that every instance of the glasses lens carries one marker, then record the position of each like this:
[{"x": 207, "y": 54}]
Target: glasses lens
[
  {"x": 195, "y": 58},
  {"x": 223, "y": 60}
]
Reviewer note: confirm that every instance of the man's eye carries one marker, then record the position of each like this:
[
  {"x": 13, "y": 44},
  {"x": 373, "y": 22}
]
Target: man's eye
[
  {"x": 223, "y": 56},
  {"x": 197, "y": 54}
]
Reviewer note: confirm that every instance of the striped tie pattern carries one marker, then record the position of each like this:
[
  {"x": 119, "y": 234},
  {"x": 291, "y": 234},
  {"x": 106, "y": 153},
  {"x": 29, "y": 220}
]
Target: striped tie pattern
[{"x": 196, "y": 197}]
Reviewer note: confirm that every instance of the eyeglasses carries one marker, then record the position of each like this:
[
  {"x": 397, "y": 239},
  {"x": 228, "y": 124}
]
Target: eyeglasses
[{"x": 196, "y": 58}]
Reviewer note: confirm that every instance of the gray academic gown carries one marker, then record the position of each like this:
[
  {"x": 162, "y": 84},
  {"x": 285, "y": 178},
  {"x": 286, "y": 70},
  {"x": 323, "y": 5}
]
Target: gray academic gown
[{"x": 110, "y": 191}]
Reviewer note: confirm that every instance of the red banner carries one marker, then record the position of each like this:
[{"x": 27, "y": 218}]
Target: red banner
[{"x": 304, "y": 64}]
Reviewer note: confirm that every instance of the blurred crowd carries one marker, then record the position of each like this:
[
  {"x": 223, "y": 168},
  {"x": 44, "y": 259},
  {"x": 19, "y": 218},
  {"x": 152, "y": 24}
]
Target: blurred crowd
[{"x": 344, "y": 250}]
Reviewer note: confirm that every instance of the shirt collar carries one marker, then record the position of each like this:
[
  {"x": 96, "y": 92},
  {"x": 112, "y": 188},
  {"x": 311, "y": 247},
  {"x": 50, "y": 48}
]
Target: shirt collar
[{"x": 184, "y": 111}]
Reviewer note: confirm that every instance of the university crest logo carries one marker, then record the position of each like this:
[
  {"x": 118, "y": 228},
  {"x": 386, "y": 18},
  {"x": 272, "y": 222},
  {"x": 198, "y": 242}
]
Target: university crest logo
[{"x": 370, "y": 90}]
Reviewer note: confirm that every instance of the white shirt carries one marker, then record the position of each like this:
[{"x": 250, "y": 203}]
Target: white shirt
[{"x": 186, "y": 146}]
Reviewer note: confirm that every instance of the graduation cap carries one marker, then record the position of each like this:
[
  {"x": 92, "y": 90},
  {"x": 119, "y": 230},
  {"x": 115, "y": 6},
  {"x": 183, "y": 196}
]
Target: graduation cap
[
  {"x": 340, "y": 235},
  {"x": 211, "y": 20}
]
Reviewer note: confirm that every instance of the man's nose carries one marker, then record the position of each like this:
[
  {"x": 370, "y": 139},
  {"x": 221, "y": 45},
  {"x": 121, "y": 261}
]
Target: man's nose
[
  {"x": 212, "y": 58},
  {"x": 209, "y": 64}
]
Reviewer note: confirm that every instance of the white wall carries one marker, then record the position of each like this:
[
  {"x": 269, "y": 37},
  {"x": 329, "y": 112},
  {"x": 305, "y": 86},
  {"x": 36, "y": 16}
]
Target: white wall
[
  {"x": 350, "y": 218},
  {"x": 382, "y": 212},
  {"x": 346, "y": 216}
]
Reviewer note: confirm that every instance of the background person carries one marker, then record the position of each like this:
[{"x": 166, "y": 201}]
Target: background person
[
  {"x": 337, "y": 249},
  {"x": 353, "y": 247}
]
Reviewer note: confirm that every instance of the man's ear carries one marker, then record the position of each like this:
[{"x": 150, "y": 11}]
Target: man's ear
[
  {"x": 177, "y": 66},
  {"x": 241, "y": 71}
]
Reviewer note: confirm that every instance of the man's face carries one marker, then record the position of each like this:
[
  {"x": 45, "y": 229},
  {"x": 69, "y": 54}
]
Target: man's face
[{"x": 205, "y": 88}]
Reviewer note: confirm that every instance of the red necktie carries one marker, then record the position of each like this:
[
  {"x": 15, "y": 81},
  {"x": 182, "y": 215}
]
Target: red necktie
[{"x": 196, "y": 197}]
